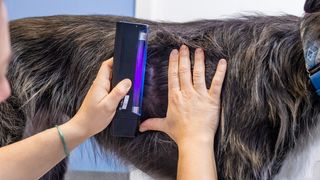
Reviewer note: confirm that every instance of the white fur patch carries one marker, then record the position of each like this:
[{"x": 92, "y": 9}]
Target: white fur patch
[{"x": 303, "y": 162}]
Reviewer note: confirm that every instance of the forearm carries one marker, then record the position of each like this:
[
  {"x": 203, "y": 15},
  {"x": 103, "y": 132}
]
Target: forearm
[
  {"x": 196, "y": 161},
  {"x": 33, "y": 157}
]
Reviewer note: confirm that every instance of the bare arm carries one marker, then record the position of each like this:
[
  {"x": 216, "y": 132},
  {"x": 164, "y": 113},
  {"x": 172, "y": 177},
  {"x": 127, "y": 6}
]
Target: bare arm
[
  {"x": 33, "y": 157},
  {"x": 192, "y": 115},
  {"x": 196, "y": 161}
]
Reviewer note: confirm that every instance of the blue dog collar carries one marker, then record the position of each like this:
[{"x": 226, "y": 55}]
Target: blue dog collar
[
  {"x": 313, "y": 64},
  {"x": 315, "y": 80}
]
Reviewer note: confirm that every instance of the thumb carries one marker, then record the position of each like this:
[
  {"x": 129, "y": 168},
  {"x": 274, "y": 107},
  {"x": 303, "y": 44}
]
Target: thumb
[
  {"x": 153, "y": 124},
  {"x": 118, "y": 92}
]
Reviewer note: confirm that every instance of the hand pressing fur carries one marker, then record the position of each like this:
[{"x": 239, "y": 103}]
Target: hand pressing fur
[
  {"x": 193, "y": 110},
  {"x": 192, "y": 115}
]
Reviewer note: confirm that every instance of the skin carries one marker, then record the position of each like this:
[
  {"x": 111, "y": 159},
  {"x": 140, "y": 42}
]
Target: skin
[
  {"x": 193, "y": 114},
  {"x": 191, "y": 127},
  {"x": 5, "y": 52}
]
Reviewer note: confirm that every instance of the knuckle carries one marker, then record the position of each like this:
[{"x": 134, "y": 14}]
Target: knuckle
[
  {"x": 216, "y": 82},
  {"x": 174, "y": 74},
  {"x": 96, "y": 84},
  {"x": 188, "y": 94},
  {"x": 183, "y": 70},
  {"x": 175, "y": 98},
  {"x": 172, "y": 86},
  {"x": 198, "y": 73},
  {"x": 213, "y": 101},
  {"x": 197, "y": 84}
]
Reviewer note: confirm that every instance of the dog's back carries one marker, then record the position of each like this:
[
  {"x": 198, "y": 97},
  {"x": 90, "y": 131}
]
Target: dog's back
[{"x": 267, "y": 102}]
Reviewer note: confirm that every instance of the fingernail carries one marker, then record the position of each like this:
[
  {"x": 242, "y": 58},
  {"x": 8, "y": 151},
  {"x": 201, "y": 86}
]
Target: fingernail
[
  {"x": 223, "y": 62},
  {"x": 127, "y": 84},
  {"x": 198, "y": 50},
  {"x": 183, "y": 47},
  {"x": 174, "y": 52},
  {"x": 183, "y": 50},
  {"x": 141, "y": 129}
]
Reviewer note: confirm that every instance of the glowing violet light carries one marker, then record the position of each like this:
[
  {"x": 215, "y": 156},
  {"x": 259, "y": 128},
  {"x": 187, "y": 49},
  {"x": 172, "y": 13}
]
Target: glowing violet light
[{"x": 138, "y": 84}]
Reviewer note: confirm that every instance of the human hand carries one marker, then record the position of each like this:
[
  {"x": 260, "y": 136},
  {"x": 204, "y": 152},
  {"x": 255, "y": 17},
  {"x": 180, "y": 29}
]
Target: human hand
[
  {"x": 193, "y": 110},
  {"x": 99, "y": 106}
]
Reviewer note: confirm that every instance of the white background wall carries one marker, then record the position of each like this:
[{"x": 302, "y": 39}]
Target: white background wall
[{"x": 186, "y": 10}]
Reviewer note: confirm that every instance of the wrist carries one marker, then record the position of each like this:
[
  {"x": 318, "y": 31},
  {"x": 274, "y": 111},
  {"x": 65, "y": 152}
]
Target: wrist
[
  {"x": 200, "y": 141},
  {"x": 76, "y": 125},
  {"x": 196, "y": 143},
  {"x": 196, "y": 156}
]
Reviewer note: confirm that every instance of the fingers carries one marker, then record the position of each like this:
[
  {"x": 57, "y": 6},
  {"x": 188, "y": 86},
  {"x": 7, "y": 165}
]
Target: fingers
[
  {"x": 199, "y": 72},
  {"x": 153, "y": 124},
  {"x": 104, "y": 75},
  {"x": 109, "y": 62},
  {"x": 184, "y": 69},
  {"x": 173, "y": 78},
  {"x": 117, "y": 93},
  {"x": 217, "y": 81}
]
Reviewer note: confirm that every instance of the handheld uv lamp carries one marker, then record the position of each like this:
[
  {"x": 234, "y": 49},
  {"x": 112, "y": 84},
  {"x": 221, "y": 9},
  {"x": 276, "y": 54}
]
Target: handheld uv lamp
[{"x": 130, "y": 54}]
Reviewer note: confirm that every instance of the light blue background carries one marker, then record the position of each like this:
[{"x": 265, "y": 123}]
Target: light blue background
[
  {"x": 28, "y": 8},
  {"x": 90, "y": 158},
  {"x": 83, "y": 158}
]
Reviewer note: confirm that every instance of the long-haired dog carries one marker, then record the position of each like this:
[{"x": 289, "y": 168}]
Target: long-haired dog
[{"x": 269, "y": 112}]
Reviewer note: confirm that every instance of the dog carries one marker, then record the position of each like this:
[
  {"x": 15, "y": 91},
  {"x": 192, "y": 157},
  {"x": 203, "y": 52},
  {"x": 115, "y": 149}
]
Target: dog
[{"x": 270, "y": 109}]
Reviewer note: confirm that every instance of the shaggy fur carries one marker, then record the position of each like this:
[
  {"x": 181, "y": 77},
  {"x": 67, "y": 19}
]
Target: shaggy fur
[{"x": 267, "y": 99}]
